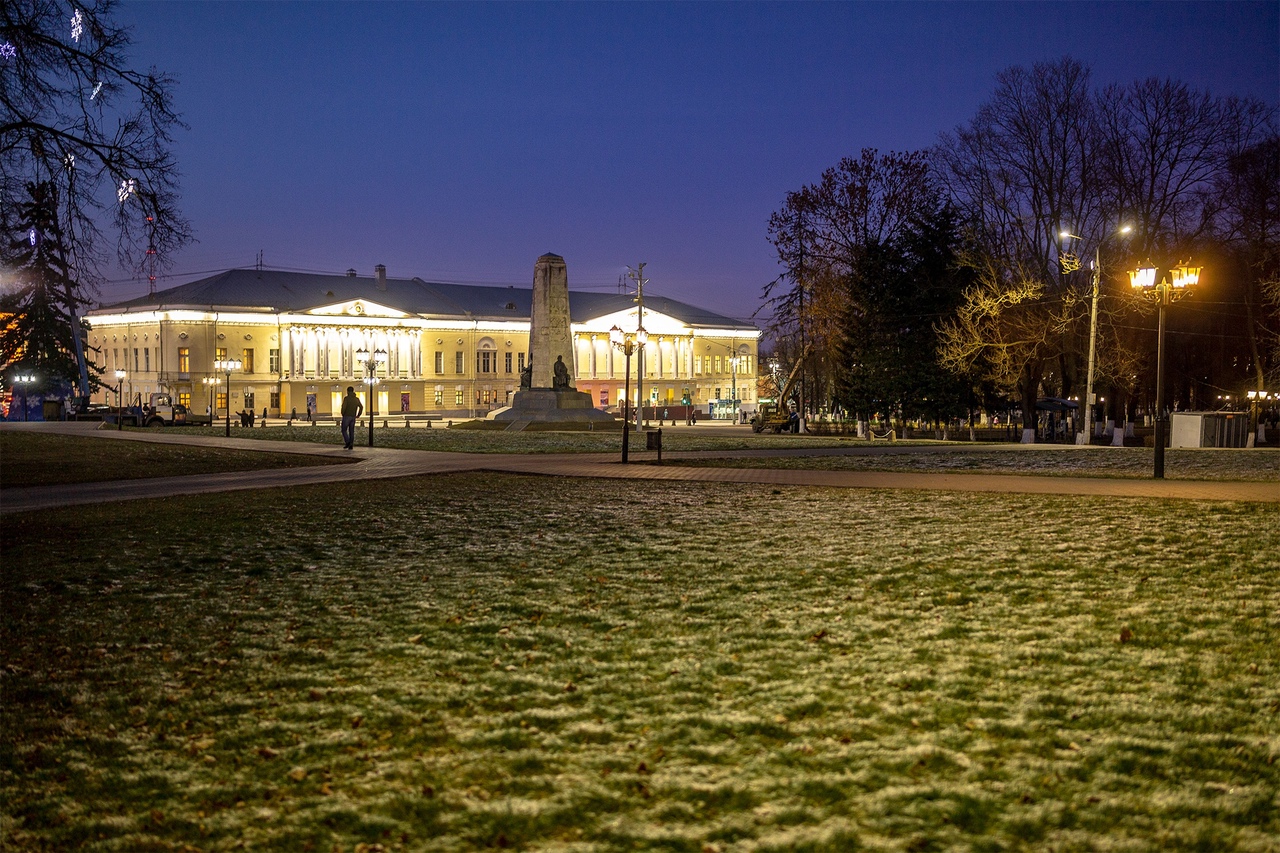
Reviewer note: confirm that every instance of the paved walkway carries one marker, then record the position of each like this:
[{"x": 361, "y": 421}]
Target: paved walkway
[{"x": 380, "y": 462}]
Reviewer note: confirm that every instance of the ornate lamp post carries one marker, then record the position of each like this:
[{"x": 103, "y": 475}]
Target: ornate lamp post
[
  {"x": 371, "y": 360},
  {"x": 120, "y": 375},
  {"x": 734, "y": 361},
  {"x": 627, "y": 342},
  {"x": 26, "y": 380},
  {"x": 1087, "y": 435},
  {"x": 211, "y": 382},
  {"x": 1256, "y": 401},
  {"x": 227, "y": 366},
  {"x": 1170, "y": 289}
]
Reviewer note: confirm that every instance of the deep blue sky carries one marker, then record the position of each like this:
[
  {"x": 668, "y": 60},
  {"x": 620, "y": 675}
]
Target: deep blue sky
[{"x": 458, "y": 142}]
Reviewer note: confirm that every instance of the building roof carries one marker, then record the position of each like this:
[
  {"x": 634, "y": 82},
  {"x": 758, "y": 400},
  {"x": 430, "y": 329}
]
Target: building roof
[{"x": 294, "y": 292}]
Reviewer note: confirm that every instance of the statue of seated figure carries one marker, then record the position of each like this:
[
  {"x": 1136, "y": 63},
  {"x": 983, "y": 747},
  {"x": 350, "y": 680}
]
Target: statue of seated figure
[{"x": 560, "y": 381}]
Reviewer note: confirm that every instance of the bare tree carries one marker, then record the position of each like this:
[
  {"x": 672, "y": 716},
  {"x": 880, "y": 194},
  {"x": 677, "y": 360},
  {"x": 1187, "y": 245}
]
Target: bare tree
[
  {"x": 76, "y": 116},
  {"x": 1248, "y": 191},
  {"x": 1019, "y": 172}
]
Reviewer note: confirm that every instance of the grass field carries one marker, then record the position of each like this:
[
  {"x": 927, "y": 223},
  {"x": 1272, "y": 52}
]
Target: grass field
[
  {"x": 31, "y": 458},
  {"x": 492, "y": 661},
  {"x": 1121, "y": 462}
]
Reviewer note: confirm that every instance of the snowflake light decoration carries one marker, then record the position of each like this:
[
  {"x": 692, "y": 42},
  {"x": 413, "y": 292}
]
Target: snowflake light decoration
[
  {"x": 97, "y": 87},
  {"x": 8, "y": 51},
  {"x": 127, "y": 188},
  {"x": 77, "y": 26}
]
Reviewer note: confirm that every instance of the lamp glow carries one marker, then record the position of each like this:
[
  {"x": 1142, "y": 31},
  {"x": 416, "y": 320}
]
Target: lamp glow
[{"x": 1143, "y": 278}]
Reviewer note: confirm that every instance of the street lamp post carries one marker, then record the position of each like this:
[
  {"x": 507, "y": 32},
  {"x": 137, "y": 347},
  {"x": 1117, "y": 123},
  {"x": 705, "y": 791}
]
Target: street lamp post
[
  {"x": 1087, "y": 435},
  {"x": 371, "y": 360},
  {"x": 627, "y": 342},
  {"x": 1256, "y": 400},
  {"x": 26, "y": 380},
  {"x": 120, "y": 375},
  {"x": 1170, "y": 289},
  {"x": 227, "y": 366},
  {"x": 734, "y": 361},
  {"x": 211, "y": 382}
]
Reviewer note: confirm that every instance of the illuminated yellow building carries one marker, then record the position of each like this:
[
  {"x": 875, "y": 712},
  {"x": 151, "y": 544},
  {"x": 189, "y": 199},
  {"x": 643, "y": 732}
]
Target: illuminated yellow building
[{"x": 452, "y": 350}]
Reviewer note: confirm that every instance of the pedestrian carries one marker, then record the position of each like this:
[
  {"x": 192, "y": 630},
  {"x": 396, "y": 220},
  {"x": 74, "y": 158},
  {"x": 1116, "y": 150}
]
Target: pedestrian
[
  {"x": 293, "y": 414},
  {"x": 351, "y": 409}
]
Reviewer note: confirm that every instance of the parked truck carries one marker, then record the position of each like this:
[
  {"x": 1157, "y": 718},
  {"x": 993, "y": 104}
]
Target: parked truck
[{"x": 159, "y": 410}]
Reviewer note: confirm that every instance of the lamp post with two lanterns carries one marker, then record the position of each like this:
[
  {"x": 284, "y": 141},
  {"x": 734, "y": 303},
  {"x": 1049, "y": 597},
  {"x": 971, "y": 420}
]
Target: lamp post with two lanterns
[
  {"x": 26, "y": 380},
  {"x": 120, "y": 375},
  {"x": 211, "y": 382},
  {"x": 371, "y": 360},
  {"x": 627, "y": 343},
  {"x": 1170, "y": 289},
  {"x": 1256, "y": 401},
  {"x": 227, "y": 366}
]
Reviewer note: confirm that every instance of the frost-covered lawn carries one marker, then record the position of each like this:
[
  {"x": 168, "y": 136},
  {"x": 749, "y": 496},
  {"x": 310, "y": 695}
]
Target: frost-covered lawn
[
  {"x": 42, "y": 459},
  {"x": 550, "y": 664},
  {"x": 1127, "y": 462}
]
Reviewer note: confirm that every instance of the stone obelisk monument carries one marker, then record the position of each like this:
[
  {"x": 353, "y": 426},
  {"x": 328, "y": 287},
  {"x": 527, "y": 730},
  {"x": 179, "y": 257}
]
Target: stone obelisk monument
[{"x": 546, "y": 389}]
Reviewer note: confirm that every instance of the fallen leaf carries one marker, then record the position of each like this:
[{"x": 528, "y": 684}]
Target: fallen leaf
[
  {"x": 267, "y": 752},
  {"x": 1125, "y": 634},
  {"x": 297, "y": 774}
]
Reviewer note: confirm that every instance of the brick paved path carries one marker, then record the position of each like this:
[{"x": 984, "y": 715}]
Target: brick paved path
[{"x": 380, "y": 462}]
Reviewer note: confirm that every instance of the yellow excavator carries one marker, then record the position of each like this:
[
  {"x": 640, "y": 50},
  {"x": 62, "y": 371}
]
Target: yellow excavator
[{"x": 776, "y": 416}]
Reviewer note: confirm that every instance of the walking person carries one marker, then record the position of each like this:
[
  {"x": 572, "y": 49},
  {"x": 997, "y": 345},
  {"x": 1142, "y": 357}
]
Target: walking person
[{"x": 351, "y": 409}]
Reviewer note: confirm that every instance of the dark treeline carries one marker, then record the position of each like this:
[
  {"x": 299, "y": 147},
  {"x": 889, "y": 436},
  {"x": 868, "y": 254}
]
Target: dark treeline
[{"x": 927, "y": 284}]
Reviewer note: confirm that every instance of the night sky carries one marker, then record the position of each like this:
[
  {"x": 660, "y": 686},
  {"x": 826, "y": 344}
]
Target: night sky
[{"x": 460, "y": 142}]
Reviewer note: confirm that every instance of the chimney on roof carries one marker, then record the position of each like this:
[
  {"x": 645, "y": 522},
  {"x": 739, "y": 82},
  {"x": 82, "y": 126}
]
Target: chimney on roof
[
  {"x": 380, "y": 277},
  {"x": 351, "y": 273}
]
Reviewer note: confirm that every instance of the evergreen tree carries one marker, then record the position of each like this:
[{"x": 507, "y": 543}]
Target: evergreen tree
[{"x": 39, "y": 330}]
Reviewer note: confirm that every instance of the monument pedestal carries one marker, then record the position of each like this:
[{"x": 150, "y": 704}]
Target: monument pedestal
[{"x": 544, "y": 405}]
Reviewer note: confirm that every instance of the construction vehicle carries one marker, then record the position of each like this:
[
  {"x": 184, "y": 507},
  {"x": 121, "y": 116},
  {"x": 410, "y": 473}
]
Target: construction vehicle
[
  {"x": 777, "y": 416},
  {"x": 160, "y": 410}
]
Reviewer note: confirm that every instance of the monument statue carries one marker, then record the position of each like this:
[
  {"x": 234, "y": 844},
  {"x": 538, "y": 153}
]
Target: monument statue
[
  {"x": 560, "y": 381},
  {"x": 546, "y": 384}
]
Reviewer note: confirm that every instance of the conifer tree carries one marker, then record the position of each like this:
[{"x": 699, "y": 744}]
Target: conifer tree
[{"x": 40, "y": 309}]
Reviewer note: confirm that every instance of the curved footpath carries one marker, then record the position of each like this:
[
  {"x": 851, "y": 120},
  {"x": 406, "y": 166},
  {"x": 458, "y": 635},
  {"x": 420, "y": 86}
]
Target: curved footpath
[{"x": 380, "y": 462}]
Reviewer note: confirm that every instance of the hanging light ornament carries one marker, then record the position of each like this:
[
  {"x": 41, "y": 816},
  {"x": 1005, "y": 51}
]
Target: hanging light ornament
[{"x": 77, "y": 26}]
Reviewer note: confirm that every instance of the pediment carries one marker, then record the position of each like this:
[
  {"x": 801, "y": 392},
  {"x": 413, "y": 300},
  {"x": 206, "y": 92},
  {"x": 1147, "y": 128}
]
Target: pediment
[
  {"x": 355, "y": 308},
  {"x": 655, "y": 322}
]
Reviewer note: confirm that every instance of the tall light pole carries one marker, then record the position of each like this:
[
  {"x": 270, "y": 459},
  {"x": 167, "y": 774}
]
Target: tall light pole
[
  {"x": 627, "y": 342},
  {"x": 637, "y": 275},
  {"x": 371, "y": 360},
  {"x": 227, "y": 366},
  {"x": 1087, "y": 435},
  {"x": 120, "y": 375},
  {"x": 1170, "y": 289}
]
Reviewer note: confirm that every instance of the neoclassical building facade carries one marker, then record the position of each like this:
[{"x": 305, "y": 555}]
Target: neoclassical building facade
[{"x": 451, "y": 350}]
